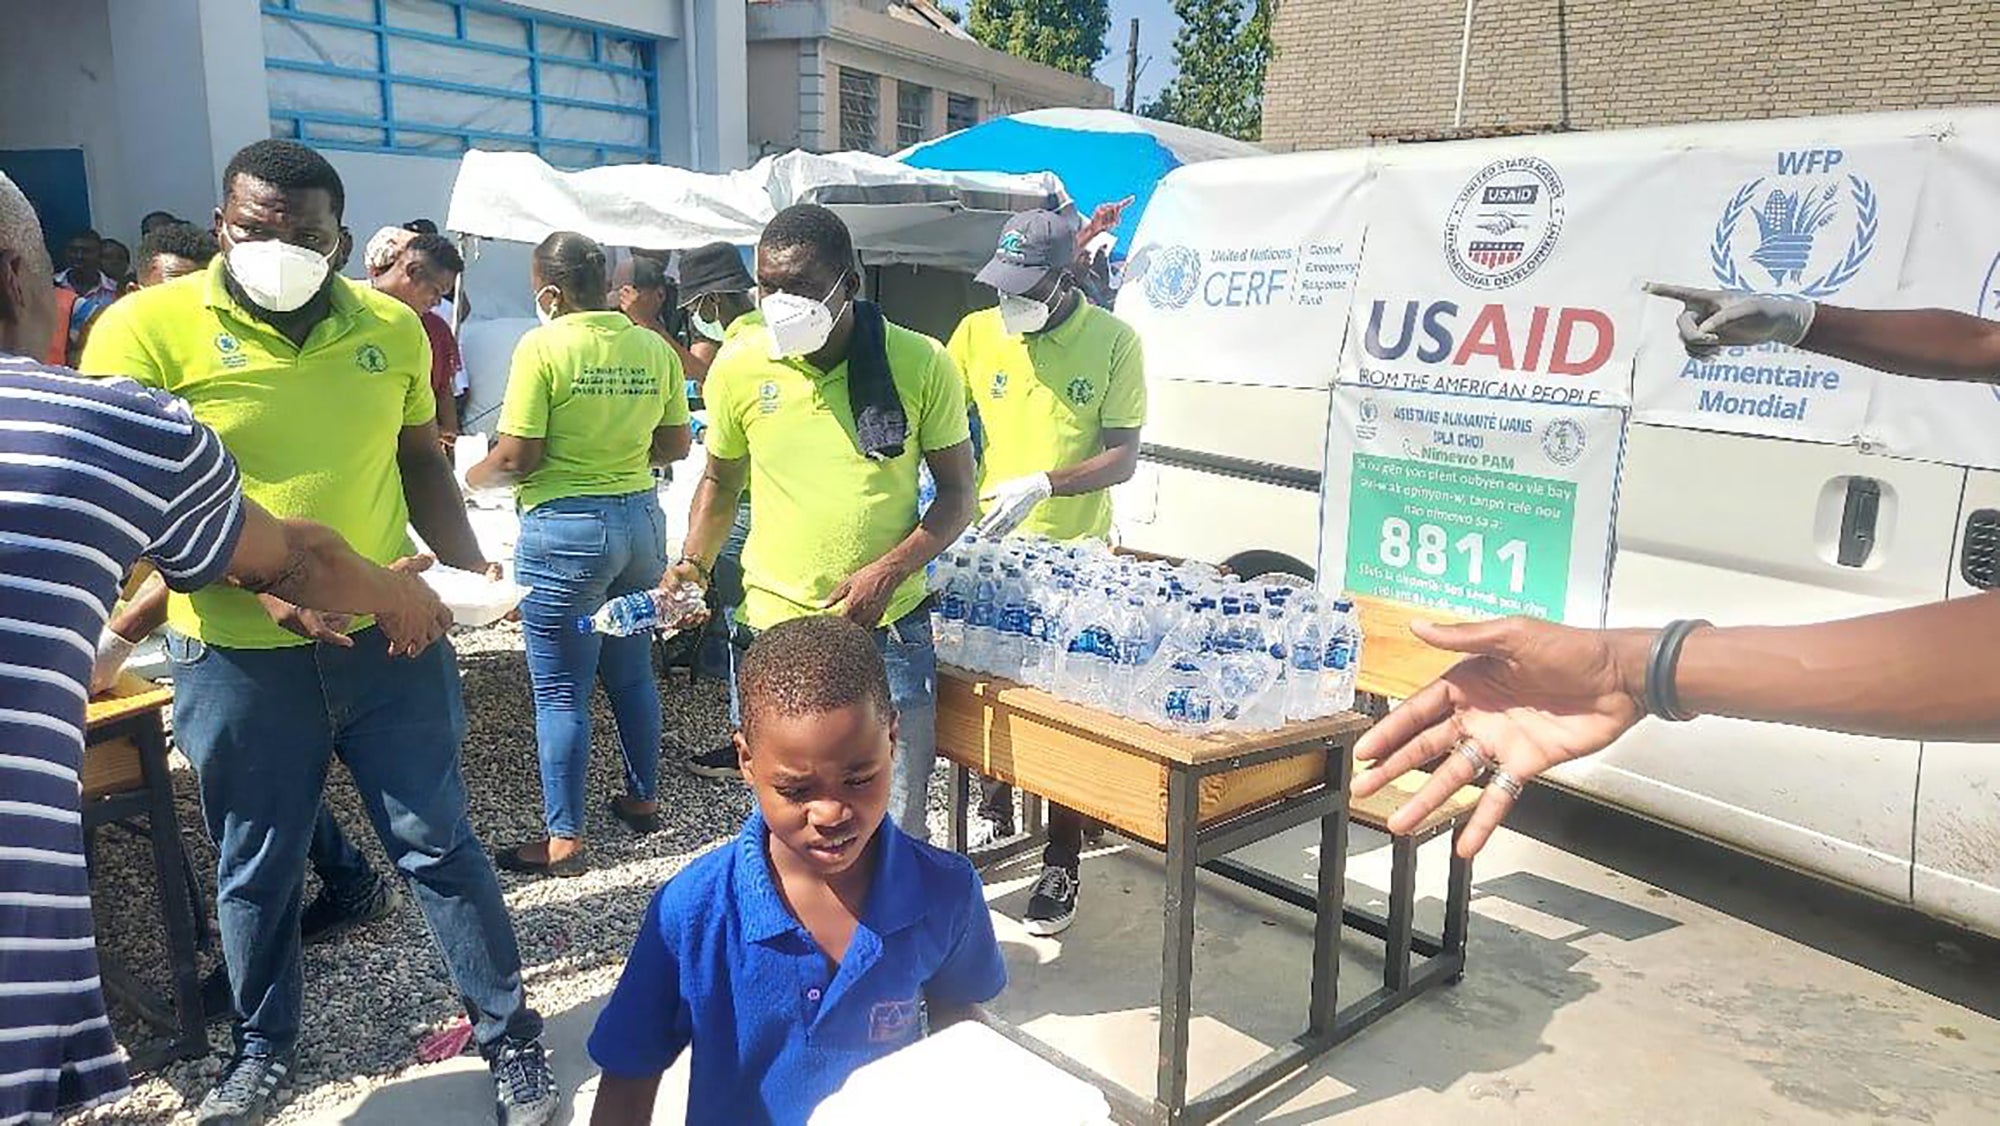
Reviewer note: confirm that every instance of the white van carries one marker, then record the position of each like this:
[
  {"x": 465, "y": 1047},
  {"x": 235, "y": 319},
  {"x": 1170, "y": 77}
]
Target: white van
[{"x": 1896, "y": 507}]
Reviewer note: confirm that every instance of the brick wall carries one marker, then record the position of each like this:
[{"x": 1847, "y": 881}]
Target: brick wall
[{"x": 1346, "y": 70}]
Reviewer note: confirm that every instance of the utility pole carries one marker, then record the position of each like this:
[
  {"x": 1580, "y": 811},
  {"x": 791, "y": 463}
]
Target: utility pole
[{"x": 1132, "y": 67}]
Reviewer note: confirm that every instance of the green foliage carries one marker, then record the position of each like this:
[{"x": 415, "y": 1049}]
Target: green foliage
[
  {"x": 1220, "y": 56},
  {"x": 1065, "y": 34}
]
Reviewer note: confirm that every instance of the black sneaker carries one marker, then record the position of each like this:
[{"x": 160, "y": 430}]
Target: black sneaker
[
  {"x": 719, "y": 763},
  {"x": 247, "y": 1091},
  {"x": 524, "y": 1089},
  {"x": 1052, "y": 907},
  {"x": 327, "y": 918}
]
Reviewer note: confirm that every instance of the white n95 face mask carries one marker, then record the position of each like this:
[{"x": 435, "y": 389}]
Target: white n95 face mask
[
  {"x": 799, "y": 326},
  {"x": 277, "y": 276},
  {"x": 1022, "y": 315}
]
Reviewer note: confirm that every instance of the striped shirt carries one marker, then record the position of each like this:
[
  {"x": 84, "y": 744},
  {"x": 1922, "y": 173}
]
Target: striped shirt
[{"x": 94, "y": 474}]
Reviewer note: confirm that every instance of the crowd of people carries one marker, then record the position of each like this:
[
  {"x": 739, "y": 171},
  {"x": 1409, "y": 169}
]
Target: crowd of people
[
  {"x": 321, "y": 398},
  {"x": 266, "y": 433}
]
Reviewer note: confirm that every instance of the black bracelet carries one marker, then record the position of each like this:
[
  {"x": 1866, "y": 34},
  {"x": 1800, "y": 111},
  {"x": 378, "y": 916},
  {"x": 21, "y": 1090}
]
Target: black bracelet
[
  {"x": 1662, "y": 697},
  {"x": 707, "y": 572}
]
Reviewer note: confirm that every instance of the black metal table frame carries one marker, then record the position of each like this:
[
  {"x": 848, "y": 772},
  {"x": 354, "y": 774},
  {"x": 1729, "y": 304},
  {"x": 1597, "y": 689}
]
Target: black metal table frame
[
  {"x": 180, "y": 898},
  {"x": 1190, "y": 847}
]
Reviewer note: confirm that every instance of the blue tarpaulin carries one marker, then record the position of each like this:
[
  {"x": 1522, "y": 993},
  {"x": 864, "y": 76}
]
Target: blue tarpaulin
[{"x": 1100, "y": 155}]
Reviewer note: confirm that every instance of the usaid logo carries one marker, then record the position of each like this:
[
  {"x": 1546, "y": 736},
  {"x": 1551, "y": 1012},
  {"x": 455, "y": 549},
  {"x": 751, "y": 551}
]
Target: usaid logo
[
  {"x": 1805, "y": 229},
  {"x": 1988, "y": 303},
  {"x": 1170, "y": 276},
  {"x": 1505, "y": 222}
]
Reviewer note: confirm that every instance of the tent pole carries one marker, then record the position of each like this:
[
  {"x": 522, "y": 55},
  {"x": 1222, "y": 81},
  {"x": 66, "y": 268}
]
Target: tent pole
[{"x": 1464, "y": 58}]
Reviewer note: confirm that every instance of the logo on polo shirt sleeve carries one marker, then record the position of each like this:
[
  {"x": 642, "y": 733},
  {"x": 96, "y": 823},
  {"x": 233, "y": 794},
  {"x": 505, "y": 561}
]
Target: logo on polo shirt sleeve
[{"x": 371, "y": 359}]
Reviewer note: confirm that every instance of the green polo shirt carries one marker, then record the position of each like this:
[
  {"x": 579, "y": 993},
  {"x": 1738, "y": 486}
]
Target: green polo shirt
[
  {"x": 314, "y": 430},
  {"x": 593, "y": 386},
  {"x": 820, "y": 510},
  {"x": 1046, "y": 399}
]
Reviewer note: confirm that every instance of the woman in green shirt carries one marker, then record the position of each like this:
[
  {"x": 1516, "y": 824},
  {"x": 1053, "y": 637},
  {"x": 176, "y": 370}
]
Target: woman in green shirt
[{"x": 593, "y": 402}]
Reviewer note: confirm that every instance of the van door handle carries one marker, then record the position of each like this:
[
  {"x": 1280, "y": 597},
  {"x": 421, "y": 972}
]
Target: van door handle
[{"x": 1857, "y": 521}]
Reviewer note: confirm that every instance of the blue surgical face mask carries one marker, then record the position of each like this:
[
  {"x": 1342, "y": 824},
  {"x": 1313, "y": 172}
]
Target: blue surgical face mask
[{"x": 710, "y": 329}]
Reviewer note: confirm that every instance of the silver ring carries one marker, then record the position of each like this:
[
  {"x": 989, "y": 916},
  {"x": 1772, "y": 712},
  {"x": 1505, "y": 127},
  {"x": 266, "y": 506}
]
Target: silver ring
[
  {"x": 1509, "y": 785},
  {"x": 1471, "y": 752}
]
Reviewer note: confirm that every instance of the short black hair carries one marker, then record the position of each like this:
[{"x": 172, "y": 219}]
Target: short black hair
[
  {"x": 810, "y": 666},
  {"x": 421, "y": 227},
  {"x": 159, "y": 218},
  {"x": 813, "y": 228},
  {"x": 648, "y": 272},
  {"x": 574, "y": 263},
  {"x": 116, "y": 243},
  {"x": 438, "y": 251},
  {"x": 288, "y": 166},
  {"x": 85, "y": 233},
  {"x": 182, "y": 240}
]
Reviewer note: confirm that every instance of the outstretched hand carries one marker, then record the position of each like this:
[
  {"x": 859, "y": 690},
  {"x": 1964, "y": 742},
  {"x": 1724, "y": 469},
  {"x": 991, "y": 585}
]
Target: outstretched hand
[
  {"x": 1712, "y": 319},
  {"x": 1529, "y": 695}
]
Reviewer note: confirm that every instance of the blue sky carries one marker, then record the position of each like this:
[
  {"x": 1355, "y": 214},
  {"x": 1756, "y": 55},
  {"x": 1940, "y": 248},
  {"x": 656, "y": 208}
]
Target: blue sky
[{"x": 1157, "y": 26}]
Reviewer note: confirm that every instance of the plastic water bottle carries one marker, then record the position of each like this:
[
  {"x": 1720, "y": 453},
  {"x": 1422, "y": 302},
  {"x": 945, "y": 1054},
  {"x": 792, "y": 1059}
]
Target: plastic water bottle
[
  {"x": 954, "y": 598},
  {"x": 1341, "y": 669},
  {"x": 1082, "y": 666},
  {"x": 1010, "y": 632},
  {"x": 982, "y": 619},
  {"x": 1186, "y": 699},
  {"x": 641, "y": 610},
  {"x": 1131, "y": 647},
  {"x": 1307, "y": 658},
  {"x": 1044, "y": 619}
]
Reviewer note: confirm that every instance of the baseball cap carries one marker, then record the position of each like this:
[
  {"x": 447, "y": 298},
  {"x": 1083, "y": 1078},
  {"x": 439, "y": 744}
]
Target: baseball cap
[
  {"x": 1031, "y": 244},
  {"x": 715, "y": 268}
]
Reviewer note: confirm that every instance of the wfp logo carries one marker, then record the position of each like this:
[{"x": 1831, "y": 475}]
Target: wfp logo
[
  {"x": 1368, "y": 422},
  {"x": 1505, "y": 222},
  {"x": 1563, "y": 441},
  {"x": 1170, "y": 275},
  {"x": 1797, "y": 222}
]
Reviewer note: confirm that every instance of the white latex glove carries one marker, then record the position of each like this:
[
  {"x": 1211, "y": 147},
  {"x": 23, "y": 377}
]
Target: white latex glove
[
  {"x": 1714, "y": 318},
  {"x": 1009, "y": 502},
  {"x": 112, "y": 653}
]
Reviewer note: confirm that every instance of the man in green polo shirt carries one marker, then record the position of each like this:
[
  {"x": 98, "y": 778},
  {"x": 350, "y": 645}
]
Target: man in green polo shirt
[
  {"x": 1060, "y": 387},
  {"x": 833, "y": 520},
  {"x": 320, "y": 387}
]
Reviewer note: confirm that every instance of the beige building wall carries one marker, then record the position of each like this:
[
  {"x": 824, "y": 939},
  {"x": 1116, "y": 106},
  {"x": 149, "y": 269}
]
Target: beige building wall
[
  {"x": 1348, "y": 71},
  {"x": 799, "y": 47}
]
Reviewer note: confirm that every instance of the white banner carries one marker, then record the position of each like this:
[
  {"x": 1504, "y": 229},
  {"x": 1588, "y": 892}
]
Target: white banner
[
  {"x": 1515, "y": 277},
  {"x": 1238, "y": 276},
  {"x": 1483, "y": 507},
  {"x": 1828, "y": 221},
  {"x": 1954, "y": 263}
]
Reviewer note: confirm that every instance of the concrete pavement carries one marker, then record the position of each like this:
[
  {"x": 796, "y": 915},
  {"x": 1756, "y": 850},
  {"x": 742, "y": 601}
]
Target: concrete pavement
[{"x": 1618, "y": 972}]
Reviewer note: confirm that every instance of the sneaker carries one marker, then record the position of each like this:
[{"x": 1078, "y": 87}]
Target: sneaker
[
  {"x": 327, "y": 918},
  {"x": 985, "y": 830},
  {"x": 524, "y": 1089},
  {"x": 1052, "y": 906},
  {"x": 719, "y": 763},
  {"x": 245, "y": 1094}
]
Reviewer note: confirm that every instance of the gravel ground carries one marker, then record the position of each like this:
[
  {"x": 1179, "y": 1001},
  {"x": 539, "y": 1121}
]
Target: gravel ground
[{"x": 374, "y": 995}]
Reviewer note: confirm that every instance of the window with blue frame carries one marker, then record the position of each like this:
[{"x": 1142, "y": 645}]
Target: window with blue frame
[{"x": 438, "y": 77}]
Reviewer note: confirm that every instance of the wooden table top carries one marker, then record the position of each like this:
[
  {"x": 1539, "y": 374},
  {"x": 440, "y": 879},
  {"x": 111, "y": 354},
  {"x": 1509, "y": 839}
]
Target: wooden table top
[
  {"x": 133, "y": 695},
  {"x": 1145, "y": 739}
]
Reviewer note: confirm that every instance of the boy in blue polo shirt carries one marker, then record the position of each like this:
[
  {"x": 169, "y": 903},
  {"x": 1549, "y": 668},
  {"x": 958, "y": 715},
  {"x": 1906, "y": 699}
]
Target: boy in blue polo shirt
[{"x": 823, "y": 937}]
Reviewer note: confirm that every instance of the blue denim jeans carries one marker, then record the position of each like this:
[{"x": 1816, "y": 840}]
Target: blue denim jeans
[
  {"x": 577, "y": 553},
  {"x": 910, "y": 654},
  {"x": 261, "y": 726},
  {"x": 345, "y": 874}
]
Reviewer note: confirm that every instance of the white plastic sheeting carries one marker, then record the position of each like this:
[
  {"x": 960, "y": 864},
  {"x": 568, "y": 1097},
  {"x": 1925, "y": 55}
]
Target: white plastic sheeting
[{"x": 897, "y": 214}]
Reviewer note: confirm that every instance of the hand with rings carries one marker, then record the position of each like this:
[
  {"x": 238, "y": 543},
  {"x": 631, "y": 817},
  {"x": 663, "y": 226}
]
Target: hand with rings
[{"x": 1529, "y": 695}]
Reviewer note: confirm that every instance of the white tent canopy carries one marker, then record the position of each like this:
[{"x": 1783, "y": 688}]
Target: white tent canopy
[{"x": 898, "y": 214}]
